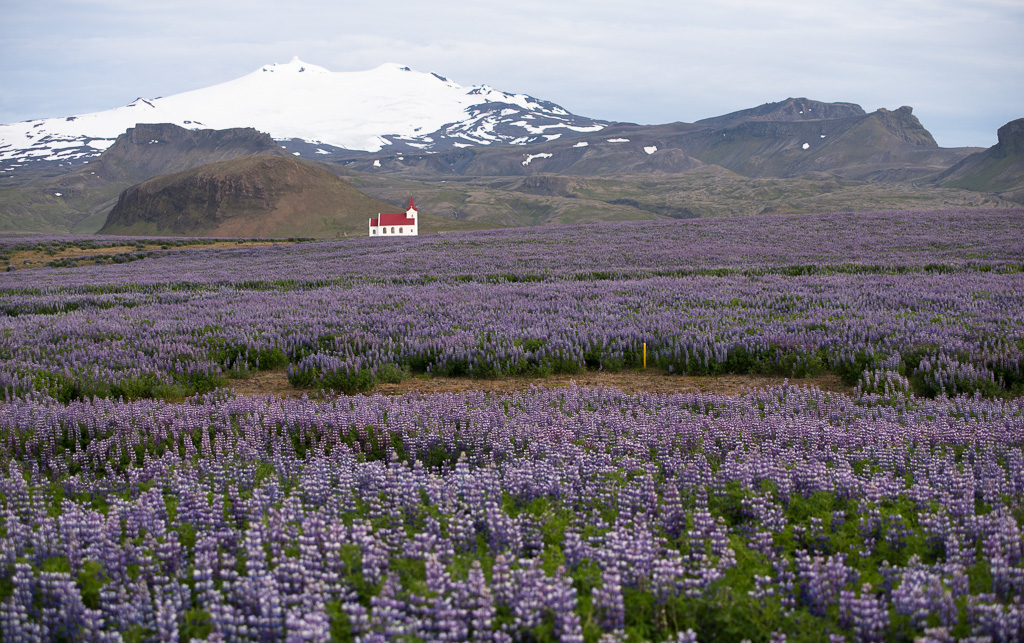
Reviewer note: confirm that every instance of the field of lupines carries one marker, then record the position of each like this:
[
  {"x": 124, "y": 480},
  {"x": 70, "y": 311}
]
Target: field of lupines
[{"x": 131, "y": 511}]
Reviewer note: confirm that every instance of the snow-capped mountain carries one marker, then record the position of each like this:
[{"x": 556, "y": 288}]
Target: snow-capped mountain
[{"x": 391, "y": 105}]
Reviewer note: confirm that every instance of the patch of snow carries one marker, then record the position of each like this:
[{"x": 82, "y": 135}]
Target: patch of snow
[
  {"x": 320, "y": 151},
  {"x": 376, "y": 163},
  {"x": 806, "y": 146},
  {"x": 530, "y": 157},
  {"x": 581, "y": 144},
  {"x": 296, "y": 153},
  {"x": 57, "y": 194},
  {"x": 618, "y": 140},
  {"x": 651, "y": 149},
  {"x": 822, "y": 136}
]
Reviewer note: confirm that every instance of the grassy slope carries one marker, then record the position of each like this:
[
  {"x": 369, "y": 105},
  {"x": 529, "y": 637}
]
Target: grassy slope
[
  {"x": 81, "y": 208},
  {"x": 704, "y": 192},
  {"x": 1004, "y": 176}
]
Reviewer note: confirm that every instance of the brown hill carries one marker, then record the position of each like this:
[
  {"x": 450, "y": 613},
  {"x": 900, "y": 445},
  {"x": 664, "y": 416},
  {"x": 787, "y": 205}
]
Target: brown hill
[
  {"x": 254, "y": 197},
  {"x": 79, "y": 201}
]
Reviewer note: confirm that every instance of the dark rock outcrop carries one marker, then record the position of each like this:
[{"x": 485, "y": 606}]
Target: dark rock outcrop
[
  {"x": 1011, "y": 139},
  {"x": 149, "y": 150}
]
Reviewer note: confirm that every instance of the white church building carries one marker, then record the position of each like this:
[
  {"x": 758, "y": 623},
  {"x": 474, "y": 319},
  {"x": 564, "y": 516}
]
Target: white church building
[{"x": 396, "y": 224}]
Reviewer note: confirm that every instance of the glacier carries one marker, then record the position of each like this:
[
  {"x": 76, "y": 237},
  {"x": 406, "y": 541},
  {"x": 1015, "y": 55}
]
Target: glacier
[{"x": 390, "y": 105}]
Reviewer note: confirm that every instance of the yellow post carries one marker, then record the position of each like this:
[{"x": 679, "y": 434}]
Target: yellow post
[{"x": 645, "y": 354}]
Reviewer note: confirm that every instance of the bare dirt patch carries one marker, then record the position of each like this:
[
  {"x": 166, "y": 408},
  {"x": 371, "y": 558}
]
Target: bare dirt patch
[
  {"x": 649, "y": 381},
  {"x": 39, "y": 257}
]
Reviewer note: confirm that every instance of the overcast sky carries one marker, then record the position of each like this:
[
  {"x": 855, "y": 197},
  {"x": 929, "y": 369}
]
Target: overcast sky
[{"x": 958, "y": 63}]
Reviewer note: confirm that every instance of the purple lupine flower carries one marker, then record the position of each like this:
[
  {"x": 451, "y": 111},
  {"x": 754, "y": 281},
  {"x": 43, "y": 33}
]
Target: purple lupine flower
[
  {"x": 865, "y": 614},
  {"x": 608, "y": 602}
]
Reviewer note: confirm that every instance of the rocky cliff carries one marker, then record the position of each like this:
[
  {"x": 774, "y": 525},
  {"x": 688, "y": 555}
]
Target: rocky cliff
[{"x": 149, "y": 150}]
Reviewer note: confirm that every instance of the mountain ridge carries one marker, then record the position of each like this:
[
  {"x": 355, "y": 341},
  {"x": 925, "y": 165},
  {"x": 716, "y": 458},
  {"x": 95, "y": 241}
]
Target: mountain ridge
[
  {"x": 884, "y": 145},
  {"x": 790, "y": 109},
  {"x": 373, "y": 118},
  {"x": 390, "y": 106}
]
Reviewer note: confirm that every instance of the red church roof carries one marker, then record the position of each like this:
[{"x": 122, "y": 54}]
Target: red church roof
[{"x": 394, "y": 218}]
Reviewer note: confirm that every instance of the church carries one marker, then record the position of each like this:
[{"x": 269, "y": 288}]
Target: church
[{"x": 396, "y": 224}]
